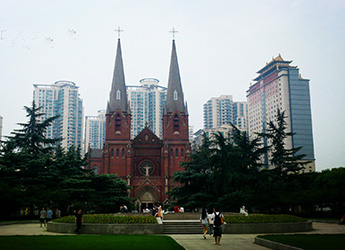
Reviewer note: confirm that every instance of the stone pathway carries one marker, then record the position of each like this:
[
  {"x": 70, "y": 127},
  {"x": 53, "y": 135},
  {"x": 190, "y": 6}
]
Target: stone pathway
[
  {"x": 228, "y": 241},
  {"x": 245, "y": 241},
  {"x": 25, "y": 229}
]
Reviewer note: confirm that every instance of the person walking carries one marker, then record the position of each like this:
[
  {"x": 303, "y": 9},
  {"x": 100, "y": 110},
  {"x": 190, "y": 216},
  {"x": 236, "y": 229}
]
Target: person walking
[
  {"x": 49, "y": 215},
  {"x": 78, "y": 221},
  {"x": 204, "y": 222},
  {"x": 159, "y": 211},
  {"x": 210, "y": 220},
  {"x": 218, "y": 222},
  {"x": 57, "y": 213},
  {"x": 43, "y": 216}
]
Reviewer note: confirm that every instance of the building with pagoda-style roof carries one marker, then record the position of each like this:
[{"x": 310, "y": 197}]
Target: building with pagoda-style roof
[{"x": 279, "y": 85}]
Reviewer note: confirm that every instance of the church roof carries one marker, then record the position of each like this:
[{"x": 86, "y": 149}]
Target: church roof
[
  {"x": 146, "y": 136},
  {"x": 174, "y": 100},
  {"x": 118, "y": 94},
  {"x": 95, "y": 153}
]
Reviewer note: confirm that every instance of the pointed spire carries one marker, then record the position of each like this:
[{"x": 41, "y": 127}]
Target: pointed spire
[
  {"x": 175, "y": 100},
  {"x": 118, "y": 94}
]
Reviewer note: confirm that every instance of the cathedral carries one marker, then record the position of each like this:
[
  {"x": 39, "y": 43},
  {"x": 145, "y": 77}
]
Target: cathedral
[{"x": 146, "y": 163}]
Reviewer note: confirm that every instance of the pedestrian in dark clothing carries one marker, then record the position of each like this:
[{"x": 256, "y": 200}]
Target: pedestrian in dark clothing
[
  {"x": 43, "y": 216},
  {"x": 78, "y": 221},
  {"x": 218, "y": 222}
]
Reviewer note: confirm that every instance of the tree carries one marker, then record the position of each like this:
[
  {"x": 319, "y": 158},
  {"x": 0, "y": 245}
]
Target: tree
[
  {"x": 108, "y": 194},
  {"x": 237, "y": 162},
  {"x": 24, "y": 158},
  {"x": 36, "y": 172},
  {"x": 221, "y": 172},
  {"x": 195, "y": 183},
  {"x": 285, "y": 165},
  {"x": 284, "y": 161},
  {"x": 31, "y": 137}
]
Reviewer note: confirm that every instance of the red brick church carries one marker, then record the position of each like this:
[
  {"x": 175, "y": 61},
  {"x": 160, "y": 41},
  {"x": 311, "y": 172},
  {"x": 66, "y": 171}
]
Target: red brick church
[{"x": 146, "y": 163}]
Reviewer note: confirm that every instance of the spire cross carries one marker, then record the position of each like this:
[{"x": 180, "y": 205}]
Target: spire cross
[
  {"x": 119, "y": 31},
  {"x": 173, "y": 31}
]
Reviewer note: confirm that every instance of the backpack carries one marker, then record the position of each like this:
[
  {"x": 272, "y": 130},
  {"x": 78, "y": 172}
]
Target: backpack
[{"x": 217, "y": 220}]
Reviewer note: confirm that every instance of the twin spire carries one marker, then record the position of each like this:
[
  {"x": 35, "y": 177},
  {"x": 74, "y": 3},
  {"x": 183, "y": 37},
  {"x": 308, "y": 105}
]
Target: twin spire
[
  {"x": 118, "y": 94},
  {"x": 175, "y": 100}
]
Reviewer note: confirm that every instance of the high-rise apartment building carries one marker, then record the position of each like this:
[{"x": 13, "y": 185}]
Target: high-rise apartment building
[
  {"x": 61, "y": 98},
  {"x": 218, "y": 111},
  {"x": 280, "y": 86},
  {"x": 147, "y": 104},
  {"x": 95, "y": 131},
  {"x": 223, "y": 110},
  {"x": 240, "y": 115},
  {"x": 0, "y": 127}
]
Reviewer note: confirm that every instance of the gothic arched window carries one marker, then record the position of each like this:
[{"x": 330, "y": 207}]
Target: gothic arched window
[
  {"x": 117, "y": 153},
  {"x": 118, "y": 122},
  {"x": 176, "y": 123},
  {"x": 112, "y": 153},
  {"x": 176, "y": 151},
  {"x": 175, "y": 95},
  {"x": 181, "y": 152},
  {"x": 171, "y": 153},
  {"x": 123, "y": 153},
  {"x": 118, "y": 95}
]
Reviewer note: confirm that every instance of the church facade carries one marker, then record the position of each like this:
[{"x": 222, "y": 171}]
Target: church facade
[{"x": 146, "y": 163}]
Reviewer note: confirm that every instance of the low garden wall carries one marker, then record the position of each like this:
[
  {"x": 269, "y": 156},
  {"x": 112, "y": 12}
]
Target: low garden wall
[
  {"x": 90, "y": 228},
  {"x": 257, "y": 228}
]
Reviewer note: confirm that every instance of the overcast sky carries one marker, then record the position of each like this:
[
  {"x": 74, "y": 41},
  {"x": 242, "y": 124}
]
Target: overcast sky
[{"x": 220, "y": 47}]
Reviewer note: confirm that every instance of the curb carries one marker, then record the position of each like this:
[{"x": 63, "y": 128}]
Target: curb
[{"x": 274, "y": 245}]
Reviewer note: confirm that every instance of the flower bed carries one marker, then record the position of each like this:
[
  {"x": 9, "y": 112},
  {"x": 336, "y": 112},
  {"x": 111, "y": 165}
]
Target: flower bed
[{"x": 110, "y": 219}]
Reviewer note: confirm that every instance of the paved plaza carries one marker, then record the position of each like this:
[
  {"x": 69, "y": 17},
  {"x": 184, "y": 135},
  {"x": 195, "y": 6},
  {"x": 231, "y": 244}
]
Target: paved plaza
[{"x": 188, "y": 241}]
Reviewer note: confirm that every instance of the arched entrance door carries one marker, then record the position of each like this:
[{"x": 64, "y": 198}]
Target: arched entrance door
[{"x": 147, "y": 196}]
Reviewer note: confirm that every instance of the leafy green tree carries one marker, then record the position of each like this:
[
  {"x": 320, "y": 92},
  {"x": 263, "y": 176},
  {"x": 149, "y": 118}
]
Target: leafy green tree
[
  {"x": 328, "y": 190},
  {"x": 108, "y": 194}
]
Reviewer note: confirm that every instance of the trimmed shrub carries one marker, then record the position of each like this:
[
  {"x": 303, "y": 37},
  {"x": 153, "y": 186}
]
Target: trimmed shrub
[
  {"x": 263, "y": 218},
  {"x": 109, "y": 219}
]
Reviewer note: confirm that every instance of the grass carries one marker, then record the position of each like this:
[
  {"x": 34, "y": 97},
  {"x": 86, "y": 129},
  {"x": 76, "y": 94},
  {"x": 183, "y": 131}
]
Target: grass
[
  {"x": 310, "y": 241},
  {"x": 76, "y": 242}
]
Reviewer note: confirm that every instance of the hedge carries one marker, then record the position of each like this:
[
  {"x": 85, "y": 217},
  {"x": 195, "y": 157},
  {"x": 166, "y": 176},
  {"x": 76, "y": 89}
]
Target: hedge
[
  {"x": 109, "y": 219},
  {"x": 263, "y": 218}
]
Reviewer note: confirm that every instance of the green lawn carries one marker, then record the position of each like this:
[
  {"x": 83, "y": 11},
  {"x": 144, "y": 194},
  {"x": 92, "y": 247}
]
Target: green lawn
[
  {"x": 75, "y": 242},
  {"x": 310, "y": 241}
]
